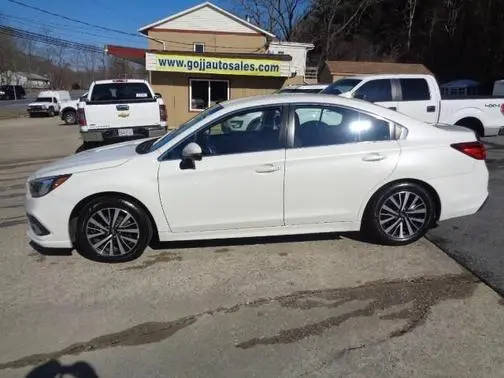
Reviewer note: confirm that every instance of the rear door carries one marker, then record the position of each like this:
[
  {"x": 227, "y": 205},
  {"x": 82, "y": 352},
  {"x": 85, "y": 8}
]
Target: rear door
[
  {"x": 338, "y": 156},
  {"x": 416, "y": 99},
  {"x": 379, "y": 91},
  {"x": 122, "y": 104}
]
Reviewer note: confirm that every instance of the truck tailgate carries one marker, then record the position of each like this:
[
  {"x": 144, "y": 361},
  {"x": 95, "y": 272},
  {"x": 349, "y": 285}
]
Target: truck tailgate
[{"x": 100, "y": 116}]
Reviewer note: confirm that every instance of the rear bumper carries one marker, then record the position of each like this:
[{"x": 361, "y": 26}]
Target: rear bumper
[
  {"x": 494, "y": 130},
  {"x": 101, "y": 135},
  {"x": 463, "y": 194}
]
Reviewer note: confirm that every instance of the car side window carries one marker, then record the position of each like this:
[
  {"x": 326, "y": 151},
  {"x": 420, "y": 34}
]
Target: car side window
[
  {"x": 415, "y": 90},
  {"x": 249, "y": 131},
  {"x": 375, "y": 91},
  {"x": 323, "y": 126}
]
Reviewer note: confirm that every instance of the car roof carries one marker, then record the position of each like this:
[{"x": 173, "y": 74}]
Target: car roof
[
  {"x": 308, "y": 98},
  {"x": 385, "y": 76},
  {"x": 110, "y": 81}
]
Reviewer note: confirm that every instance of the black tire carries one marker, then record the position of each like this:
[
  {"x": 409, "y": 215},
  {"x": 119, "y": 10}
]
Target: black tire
[
  {"x": 405, "y": 226},
  {"x": 50, "y": 113},
  {"x": 118, "y": 250},
  {"x": 70, "y": 117}
]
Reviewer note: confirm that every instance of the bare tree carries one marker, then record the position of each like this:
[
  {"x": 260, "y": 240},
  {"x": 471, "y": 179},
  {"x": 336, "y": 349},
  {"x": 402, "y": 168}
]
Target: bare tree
[
  {"x": 411, "y": 6},
  {"x": 453, "y": 8},
  {"x": 277, "y": 16}
]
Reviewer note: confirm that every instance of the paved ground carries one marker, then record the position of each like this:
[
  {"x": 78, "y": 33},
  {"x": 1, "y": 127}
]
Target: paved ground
[
  {"x": 477, "y": 242},
  {"x": 310, "y": 306}
]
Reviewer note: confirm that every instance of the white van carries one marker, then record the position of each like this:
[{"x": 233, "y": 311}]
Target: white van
[{"x": 48, "y": 103}]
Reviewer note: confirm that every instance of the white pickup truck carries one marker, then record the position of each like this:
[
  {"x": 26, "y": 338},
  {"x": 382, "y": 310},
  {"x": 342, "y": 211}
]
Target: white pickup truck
[
  {"x": 419, "y": 97},
  {"x": 122, "y": 108}
]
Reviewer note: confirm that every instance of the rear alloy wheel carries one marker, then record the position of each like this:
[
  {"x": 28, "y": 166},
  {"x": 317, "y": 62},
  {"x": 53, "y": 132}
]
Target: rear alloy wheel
[
  {"x": 70, "y": 117},
  {"x": 401, "y": 214},
  {"x": 113, "y": 230}
]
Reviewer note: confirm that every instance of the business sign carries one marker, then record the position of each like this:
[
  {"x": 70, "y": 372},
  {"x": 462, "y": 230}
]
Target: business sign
[{"x": 199, "y": 64}]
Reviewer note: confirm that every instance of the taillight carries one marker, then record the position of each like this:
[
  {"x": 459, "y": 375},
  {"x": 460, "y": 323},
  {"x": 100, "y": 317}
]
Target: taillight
[
  {"x": 502, "y": 109},
  {"x": 476, "y": 150},
  {"x": 162, "y": 112},
  {"x": 81, "y": 116}
]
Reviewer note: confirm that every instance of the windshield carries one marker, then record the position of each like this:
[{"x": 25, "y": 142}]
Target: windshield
[
  {"x": 43, "y": 99},
  {"x": 341, "y": 86},
  {"x": 201, "y": 116}
]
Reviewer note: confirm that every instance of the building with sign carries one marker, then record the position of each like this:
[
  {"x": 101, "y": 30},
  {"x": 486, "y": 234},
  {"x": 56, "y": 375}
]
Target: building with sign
[{"x": 205, "y": 54}]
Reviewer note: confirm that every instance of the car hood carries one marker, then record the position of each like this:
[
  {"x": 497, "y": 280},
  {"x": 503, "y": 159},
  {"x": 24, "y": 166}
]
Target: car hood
[{"x": 97, "y": 158}]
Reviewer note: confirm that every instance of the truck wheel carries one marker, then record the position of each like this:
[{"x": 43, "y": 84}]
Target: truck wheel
[
  {"x": 70, "y": 117},
  {"x": 51, "y": 112}
]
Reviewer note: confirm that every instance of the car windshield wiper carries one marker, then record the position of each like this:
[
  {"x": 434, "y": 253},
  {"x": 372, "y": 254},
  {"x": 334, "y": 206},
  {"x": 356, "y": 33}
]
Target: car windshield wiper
[{"x": 145, "y": 147}]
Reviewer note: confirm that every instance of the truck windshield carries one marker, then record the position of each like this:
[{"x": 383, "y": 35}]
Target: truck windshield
[
  {"x": 116, "y": 92},
  {"x": 341, "y": 86},
  {"x": 185, "y": 126},
  {"x": 43, "y": 99}
]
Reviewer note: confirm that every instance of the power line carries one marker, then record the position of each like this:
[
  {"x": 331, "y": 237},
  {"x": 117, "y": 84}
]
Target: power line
[
  {"x": 58, "y": 42},
  {"x": 121, "y": 31},
  {"x": 30, "y": 22},
  {"x": 74, "y": 20}
]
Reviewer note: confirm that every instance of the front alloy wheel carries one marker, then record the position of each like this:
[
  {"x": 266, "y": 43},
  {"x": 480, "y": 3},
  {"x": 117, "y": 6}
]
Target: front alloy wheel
[{"x": 113, "y": 230}]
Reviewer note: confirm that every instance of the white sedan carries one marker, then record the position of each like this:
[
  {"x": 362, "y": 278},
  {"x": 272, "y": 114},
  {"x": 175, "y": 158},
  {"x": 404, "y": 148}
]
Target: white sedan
[{"x": 272, "y": 165}]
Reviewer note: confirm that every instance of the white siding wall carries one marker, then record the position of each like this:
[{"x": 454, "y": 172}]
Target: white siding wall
[
  {"x": 206, "y": 19},
  {"x": 298, "y": 54}
]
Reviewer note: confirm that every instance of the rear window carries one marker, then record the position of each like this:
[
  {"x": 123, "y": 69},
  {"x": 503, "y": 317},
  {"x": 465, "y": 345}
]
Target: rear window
[
  {"x": 121, "y": 92},
  {"x": 415, "y": 90}
]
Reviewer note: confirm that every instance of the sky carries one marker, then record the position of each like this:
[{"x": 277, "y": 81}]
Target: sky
[{"x": 126, "y": 15}]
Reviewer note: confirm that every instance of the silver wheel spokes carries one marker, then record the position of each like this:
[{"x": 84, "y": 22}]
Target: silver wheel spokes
[
  {"x": 403, "y": 215},
  {"x": 112, "y": 232}
]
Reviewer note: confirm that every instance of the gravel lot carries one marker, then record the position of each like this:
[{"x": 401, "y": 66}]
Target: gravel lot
[{"x": 323, "y": 305}]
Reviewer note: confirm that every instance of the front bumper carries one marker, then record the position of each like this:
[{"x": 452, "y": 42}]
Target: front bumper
[
  {"x": 38, "y": 111},
  {"x": 54, "y": 222},
  {"x": 101, "y": 135}
]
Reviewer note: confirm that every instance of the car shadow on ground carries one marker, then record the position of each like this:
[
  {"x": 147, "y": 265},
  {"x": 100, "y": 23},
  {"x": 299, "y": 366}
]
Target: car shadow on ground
[
  {"x": 157, "y": 245},
  {"x": 188, "y": 244},
  {"x": 51, "y": 251}
]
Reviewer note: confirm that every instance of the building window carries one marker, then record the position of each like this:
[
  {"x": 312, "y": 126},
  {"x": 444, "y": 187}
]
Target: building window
[
  {"x": 205, "y": 93},
  {"x": 199, "y": 47}
]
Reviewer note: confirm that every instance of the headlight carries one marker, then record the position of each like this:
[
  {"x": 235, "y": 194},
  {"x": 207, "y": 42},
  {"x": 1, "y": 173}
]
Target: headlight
[
  {"x": 40, "y": 187},
  {"x": 44, "y": 106}
]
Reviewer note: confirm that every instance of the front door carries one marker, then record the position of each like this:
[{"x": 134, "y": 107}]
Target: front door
[
  {"x": 338, "y": 157},
  {"x": 239, "y": 181}
]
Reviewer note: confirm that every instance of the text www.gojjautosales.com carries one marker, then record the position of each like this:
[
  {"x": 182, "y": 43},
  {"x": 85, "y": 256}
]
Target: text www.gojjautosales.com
[{"x": 204, "y": 65}]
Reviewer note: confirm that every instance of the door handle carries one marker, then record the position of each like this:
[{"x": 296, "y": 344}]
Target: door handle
[
  {"x": 393, "y": 108},
  {"x": 431, "y": 109},
  {"x": 267, "y": 168},
  {"x": 122, "y": 107},
  {"x": 374, "y": 157}
]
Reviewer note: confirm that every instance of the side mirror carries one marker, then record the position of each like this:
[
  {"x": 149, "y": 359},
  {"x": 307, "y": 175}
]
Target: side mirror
[
  {"x": 157, "y": 95},
  {"x": 360, "y": 96},
  {"x": 190, "y": 154}
]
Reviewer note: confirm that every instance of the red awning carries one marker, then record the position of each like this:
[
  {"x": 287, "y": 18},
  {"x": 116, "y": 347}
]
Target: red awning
[{"x": 132, "y": 54}]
